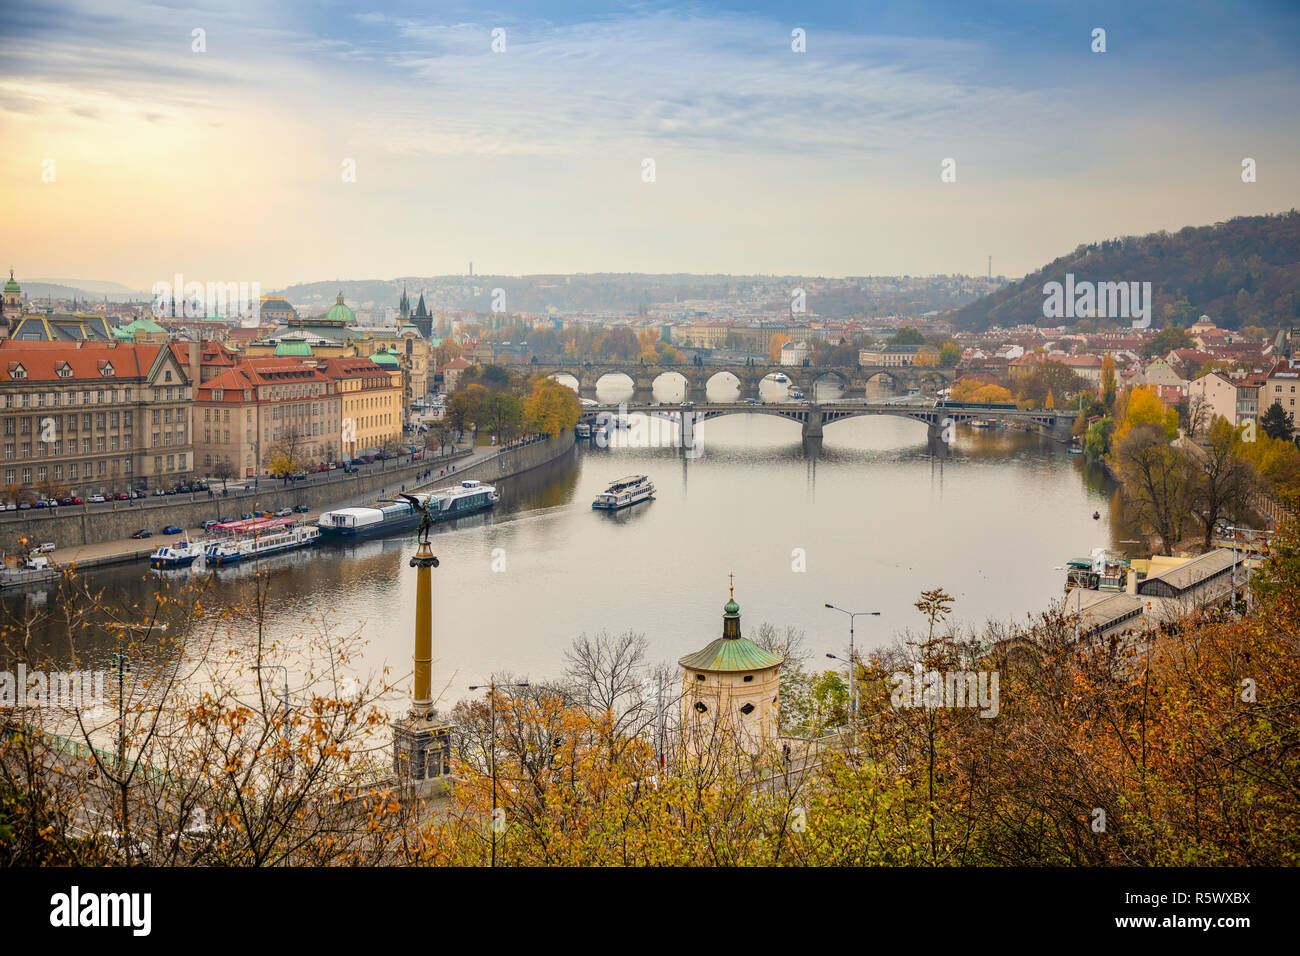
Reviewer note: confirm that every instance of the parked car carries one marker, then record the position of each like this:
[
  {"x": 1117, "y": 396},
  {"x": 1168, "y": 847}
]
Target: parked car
[
  {"x": 96, "y": 499},
  {"x": 284, "y": 512},
  {"x": 10, "y": 506},
  {"x": 158, "y": 491},
  {"x": 123, "y": 496},
  {"x": 301, "y": 509},
  {"x": 209, "y": 524},
  {"x": 42, "y": 503},
  {"x": 173, "y": 529},
  {"x": 143, "y": 533},
  {"x": 24, "y": 505}
]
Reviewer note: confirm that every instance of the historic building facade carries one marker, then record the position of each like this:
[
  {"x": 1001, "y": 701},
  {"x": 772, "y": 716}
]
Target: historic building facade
[
  {"x": 244, "y": 416},
  {"x": 92, "y": 418},
  {"x": 371, "y": 416}
]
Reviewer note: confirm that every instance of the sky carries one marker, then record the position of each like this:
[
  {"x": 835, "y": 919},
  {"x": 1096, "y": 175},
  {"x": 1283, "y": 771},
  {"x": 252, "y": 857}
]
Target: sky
[{"x": 132, "y": 148}]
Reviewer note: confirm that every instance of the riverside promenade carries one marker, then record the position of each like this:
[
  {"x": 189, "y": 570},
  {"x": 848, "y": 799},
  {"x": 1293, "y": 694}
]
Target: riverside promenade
[{"x": 490, "y": 464}]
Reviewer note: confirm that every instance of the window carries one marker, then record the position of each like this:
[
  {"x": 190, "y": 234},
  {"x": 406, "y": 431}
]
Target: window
[
  {"x": 157, "y": 416},
  {"x": 11, "y": 476},
  {"x": 58, "y": 472},
  {"x": 748, "y": 678},
  {"x": 699, "y": 677},
  {"x": 701, "y": 707},
  {"x": 72, "y": 472},
  {"x": 747, "y": 709}
]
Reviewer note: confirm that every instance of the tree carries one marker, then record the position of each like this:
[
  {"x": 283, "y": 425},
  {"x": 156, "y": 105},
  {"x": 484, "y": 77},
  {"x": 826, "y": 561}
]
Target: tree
[
  {"x": 1165, "y": 341},
  {"x": 1097, "y": 438},
  {"x": 973, "y": 390},
  {"x": 501, "y": 414},
  {"x": 1277, "y": 423},
  {"x": 464, "y": 405},
  {"x": 223, "y": 471},
  {"x": 1049, "y": 376},
  {"x": 777, "y": 342},
  {"x": 1223, "y": 483},
  {"x": 1158, "y": 482},
  {"x": 949, "y": 355},
  {"x": 1142, "y": 406},
  {"x": 907, "y": 336},
  {"x": 1108, "y": 381},
  {"x": 551, "y": 408}
]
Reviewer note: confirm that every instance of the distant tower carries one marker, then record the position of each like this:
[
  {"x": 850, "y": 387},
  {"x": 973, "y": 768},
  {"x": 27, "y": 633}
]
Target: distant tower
[
  {"x": 471, "y": 268},
  {"x": 990, "y": 267},
  {"x": 11, "y": 306},
  {"x": 731, "y": 690},
  {"x": 404, "y": 306}
]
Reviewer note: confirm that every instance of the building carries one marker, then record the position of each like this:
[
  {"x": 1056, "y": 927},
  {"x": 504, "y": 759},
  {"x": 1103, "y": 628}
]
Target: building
[
  {"x": 795, "y": 353},
  {"x": 1280, "y": 387},
  {"x": 371, "y": 404},
  {"x": 731, "y": 690},
  {"x": 246, "y": 414},
  {"x": 204, "y": 360},
  {"x": 140, "y": 331},
  {"x": 1235, "y": 395},
  {"x": 11, "y": 305},
  {"x": 93, "y": 418},
  {"x": 889, "y": 356},
  {"x": 275, "y": 308},
  {"x": 451, "y": 373}
]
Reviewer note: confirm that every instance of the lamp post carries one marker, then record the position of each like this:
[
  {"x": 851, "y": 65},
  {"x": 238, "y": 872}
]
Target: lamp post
[
  {"x": 1233, "y": 530},
  {"x": 492, "y": 755},
  {"x": 122, "y": 664},
  {"x": 853, "y": 676}
]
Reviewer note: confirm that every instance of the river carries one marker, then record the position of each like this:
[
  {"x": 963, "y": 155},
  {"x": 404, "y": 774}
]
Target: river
[{"x": 867, "y": 523}]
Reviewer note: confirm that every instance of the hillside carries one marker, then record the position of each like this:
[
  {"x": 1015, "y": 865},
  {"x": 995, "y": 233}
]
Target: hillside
[{"x": 1245, "y": 271}]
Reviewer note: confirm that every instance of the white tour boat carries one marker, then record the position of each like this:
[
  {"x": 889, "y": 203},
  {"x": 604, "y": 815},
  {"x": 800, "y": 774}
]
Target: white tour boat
[{"x": 624, "y": 492}]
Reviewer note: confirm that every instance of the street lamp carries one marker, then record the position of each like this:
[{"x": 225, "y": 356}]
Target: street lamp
[
  {"x": 122, "y": 664},
  {"x": 853, "y": 677},
  {"x": 492, "y": 756},
  {"x": 1234, "y": 529}
]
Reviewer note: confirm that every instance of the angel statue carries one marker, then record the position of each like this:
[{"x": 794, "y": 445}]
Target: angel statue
[{"x": 426, "y": 517}]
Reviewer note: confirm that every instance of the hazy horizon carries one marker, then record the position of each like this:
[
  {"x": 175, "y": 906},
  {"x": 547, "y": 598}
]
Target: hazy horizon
[{"x": 227, "y": 164}]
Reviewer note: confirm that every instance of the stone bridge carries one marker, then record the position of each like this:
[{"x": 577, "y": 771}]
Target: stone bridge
[
  {"x": 814, "y": 417},
  {"x": 853, "y": 379}
]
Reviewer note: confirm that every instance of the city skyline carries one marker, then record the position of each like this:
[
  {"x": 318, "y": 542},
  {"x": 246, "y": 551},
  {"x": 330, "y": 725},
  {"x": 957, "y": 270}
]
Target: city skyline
[{"x": 228, "y": 164}]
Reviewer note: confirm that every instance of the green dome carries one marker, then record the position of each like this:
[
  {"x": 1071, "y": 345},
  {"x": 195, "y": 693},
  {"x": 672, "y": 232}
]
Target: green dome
[
  {"x": 384, "y": 358},
  {"x": 731, "y": 608},
  {"x": 293, "y": 347},
  {"x": 338, "y": 312},
  {"x": 11, "y": 285}
]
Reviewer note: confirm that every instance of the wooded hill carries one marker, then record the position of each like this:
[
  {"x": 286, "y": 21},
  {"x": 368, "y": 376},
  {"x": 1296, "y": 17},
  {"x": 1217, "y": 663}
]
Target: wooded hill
[{"x": 1245, "y": 271}]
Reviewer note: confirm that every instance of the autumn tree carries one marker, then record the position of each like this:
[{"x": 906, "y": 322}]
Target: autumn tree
[
  {"x": 1158, "y": 481},
  {"x": 1223, "y": 481},
  {"x": 551, "y": 408}
]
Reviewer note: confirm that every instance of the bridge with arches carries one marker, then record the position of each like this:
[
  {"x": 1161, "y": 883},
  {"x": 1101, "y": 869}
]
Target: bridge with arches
[
  {"x": 813, "y": 417},
  {"x": 852, "y": 379}
]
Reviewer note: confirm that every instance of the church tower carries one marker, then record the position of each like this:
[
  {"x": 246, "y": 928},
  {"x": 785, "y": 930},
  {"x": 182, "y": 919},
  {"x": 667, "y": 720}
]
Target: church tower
[
  {"x": 403, "y": 307},
  {"x": 11, "y": 306},
  {"x": 731, "y": 689}
]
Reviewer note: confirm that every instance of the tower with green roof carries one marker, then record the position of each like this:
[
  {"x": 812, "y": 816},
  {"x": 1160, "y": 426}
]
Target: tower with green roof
[{"x": 731, "y": 690}]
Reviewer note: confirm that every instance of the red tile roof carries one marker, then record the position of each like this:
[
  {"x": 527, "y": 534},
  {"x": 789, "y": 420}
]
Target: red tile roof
[{"x": 42, "y": 361}]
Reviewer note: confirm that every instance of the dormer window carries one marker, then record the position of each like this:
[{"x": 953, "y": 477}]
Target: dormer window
[
  {"x": 216, "y": 394},
  {"x": 106, "y": 369},
  {"x": 64, "y": 370},
  {"x": 16, "y": 370}
]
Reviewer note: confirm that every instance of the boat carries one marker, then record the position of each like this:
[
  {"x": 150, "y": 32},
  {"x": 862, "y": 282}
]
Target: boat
[
  {"x": 781, "y": 378},
  {"x": 1076, "y": 451},
  {"x": 796, "y": 394},
  {"x": 254, "y": 538},
  {"x": 1101, "y": 571},
  {"x": 398, "y": 514},
  {"x": 624, "y": 492},
  {"x": 582, "y": 430},
  {"x": 178, "y": 554}
]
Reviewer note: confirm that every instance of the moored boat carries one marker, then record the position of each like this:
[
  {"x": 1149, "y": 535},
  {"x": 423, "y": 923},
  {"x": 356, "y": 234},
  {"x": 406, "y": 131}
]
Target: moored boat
[
  {"x": 389, "y": 515},
  {"x": 178, "y": 554},
  {"x": 624, "y": 492},
  {"x": 255, "y": 538}
]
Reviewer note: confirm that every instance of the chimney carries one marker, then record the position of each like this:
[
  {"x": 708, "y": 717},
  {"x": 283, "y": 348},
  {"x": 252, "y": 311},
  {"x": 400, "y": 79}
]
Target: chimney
[{"x": 196, "y": 365}]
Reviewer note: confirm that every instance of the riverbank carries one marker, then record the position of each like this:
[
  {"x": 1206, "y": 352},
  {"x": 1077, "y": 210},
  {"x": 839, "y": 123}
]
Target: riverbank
[{"x": 489, "y": 464}]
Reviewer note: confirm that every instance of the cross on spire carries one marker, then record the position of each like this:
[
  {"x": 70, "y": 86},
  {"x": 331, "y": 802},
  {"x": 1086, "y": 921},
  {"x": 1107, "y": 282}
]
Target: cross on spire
[{"x": 732, "y": 576}]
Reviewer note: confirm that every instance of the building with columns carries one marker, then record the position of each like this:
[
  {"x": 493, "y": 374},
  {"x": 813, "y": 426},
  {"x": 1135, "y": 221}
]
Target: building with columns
[{"x": 731, "y": 690}]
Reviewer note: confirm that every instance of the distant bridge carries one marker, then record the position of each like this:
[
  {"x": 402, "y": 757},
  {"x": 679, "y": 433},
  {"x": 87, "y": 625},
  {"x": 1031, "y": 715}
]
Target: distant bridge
[
  {"x": 852, "y": 378},
  {"x": 1056, "y": 422}
]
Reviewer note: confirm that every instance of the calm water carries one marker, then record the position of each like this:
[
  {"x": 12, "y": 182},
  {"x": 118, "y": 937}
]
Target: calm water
[{"x": 877, "y": 518}]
